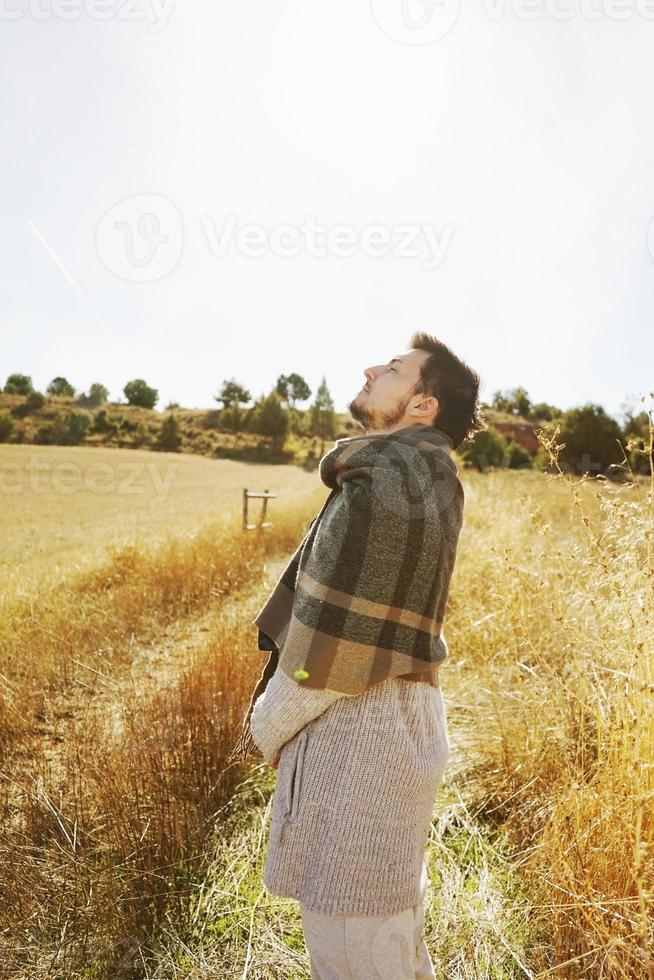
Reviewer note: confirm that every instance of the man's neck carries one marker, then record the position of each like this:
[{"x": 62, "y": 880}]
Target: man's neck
[{"x": 394, "y": 428}]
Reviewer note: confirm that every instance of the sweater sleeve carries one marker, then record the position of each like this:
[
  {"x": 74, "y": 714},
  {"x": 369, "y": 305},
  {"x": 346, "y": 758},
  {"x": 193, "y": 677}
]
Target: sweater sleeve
[{"x": 283, "y": 709}]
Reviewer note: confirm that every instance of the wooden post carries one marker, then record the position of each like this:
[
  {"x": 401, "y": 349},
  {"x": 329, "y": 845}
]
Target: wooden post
[{"x": 266, "y": 495}]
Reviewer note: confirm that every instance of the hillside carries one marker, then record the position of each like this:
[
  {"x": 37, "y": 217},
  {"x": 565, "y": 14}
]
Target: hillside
[{"x": 121, "y": 426}]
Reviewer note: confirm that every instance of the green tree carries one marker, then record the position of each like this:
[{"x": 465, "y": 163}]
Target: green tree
[
  {"x": 271, "y": 419},
  {"x": 169, "y": 438},
  {"x": 515, "y": 401},
  {"x": 77, "y": 424},
  {"x": 487, "y": 448},
  {"x": 34, "y": 401},
  {"x": 232, "y": 418},
  {"x": 592, "y": 440},
  {"x": 102, "y": 423},
  {"x": 518, "y": 457},
  {"x": 137, "y": 392},
  {"x": 7, "y": 426},
  {"x": 61, "y": 387},
  {"x": 544, "y": 412},
  {"x": 293, "y": 388},
  {"x": 63, "y": 430},
  {"x": 232, "y": 393},
  {"x": 18, "y": 384},
  {"x": 232, "y": 396},
  {"x": 322, "y": 418},
  {"x": 98, "y": 395}
]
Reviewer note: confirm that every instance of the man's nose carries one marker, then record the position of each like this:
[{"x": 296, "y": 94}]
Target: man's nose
[{"x": 370, "y": 373}]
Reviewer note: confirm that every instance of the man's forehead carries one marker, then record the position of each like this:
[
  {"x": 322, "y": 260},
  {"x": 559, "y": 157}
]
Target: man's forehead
[{"x": 406, "y": 356}]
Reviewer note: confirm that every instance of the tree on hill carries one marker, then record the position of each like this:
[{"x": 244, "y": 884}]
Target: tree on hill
[
  {"x": 7, "y": 426},
  {"x": 35, "y": 401},
  {"x": 98, "y": 395},
  {"x": 487, "y": 448},
  {"x": 270, "y": 418},
  {"x": 61, "y": 387},
  {"x": 18, "y": 384},
  {"x": 592, "y": 440},
  {"x": 137, "y": 392},
  {"x": 232, "y": 393},
  {"x": 232, "y": 396},
  {"x": 169, "y": 439},
  {"x": 63, "y": 430},
  {"x": 322, "y": 418},
  {"x": 514, "y": 401},
  {"x": 293, "y": 388},
  {"x": 545, "y": 412}
]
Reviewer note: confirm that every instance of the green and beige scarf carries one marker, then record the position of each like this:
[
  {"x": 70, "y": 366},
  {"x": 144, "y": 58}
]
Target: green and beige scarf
[{"x": 363, "y": 597}]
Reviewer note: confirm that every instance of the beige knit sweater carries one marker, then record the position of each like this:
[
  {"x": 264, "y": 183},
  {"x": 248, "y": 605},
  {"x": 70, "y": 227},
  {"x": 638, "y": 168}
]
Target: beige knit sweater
[{"x": 356, "y": 786}]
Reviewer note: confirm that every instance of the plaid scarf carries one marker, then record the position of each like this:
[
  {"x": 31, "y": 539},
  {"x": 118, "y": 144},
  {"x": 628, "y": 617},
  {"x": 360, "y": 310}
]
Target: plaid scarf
[{"x": 363, "y": 597}]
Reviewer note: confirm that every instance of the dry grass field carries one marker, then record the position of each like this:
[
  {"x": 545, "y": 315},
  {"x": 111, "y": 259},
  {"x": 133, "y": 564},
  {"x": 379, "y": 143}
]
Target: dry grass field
[
  {"x": 64, "y": 508},
  {"x": 131, "y": 847}
]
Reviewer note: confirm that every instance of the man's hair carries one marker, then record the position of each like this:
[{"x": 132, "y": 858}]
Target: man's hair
[{"x": 456, "y": 386}]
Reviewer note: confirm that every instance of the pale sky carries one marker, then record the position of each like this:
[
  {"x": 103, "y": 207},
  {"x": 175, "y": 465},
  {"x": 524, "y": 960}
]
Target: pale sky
[{"x": 513, "y": 157}]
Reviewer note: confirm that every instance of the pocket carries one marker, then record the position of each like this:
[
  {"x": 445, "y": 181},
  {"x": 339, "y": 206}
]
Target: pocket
[
  {"x": 442, "y": 745},
  {"x": 295, "y": 778}
]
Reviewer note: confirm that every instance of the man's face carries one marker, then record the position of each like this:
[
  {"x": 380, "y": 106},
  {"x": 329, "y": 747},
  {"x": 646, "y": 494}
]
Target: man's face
[{"x": 388, "y": 400}]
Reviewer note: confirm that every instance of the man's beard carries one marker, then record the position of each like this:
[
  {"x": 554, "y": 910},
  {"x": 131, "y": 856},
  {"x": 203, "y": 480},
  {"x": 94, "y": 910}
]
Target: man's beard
[{"x": 379, "y": 418}]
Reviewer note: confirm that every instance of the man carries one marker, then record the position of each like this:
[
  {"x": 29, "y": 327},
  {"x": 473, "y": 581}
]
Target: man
[{"x": 349, "y": 708}]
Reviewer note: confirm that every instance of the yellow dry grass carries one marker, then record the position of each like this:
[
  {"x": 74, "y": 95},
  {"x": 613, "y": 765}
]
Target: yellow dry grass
[
  {"x": 64, "y": 508},
  {"x": 109, "y": 813}
]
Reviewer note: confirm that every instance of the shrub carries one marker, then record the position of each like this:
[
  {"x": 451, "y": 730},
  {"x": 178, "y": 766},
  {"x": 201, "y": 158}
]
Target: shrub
[
  {"x": 18, "y": 384},
  {"x": 270, "y": 418},
  {"x": 48, "y": 433},
  {"x": 77, "y": 424},
  {"x": 518, "y": 458},
  {"x": 137, "y": 392},
  {"x": 102, "y": 423},
  {"x": 63, "y": 430},
  {"x": 592, "y": 440},
  {"x": 487, "y": 448},
  {"x": 169, "y": 439},
  {"x": 7, "y": 426},
  {"x": 61, "y": 387},
  {"x": 34, "y": 401},
  {"x": 97, "y": 396},
  {"x": 231, "y": 418}
]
